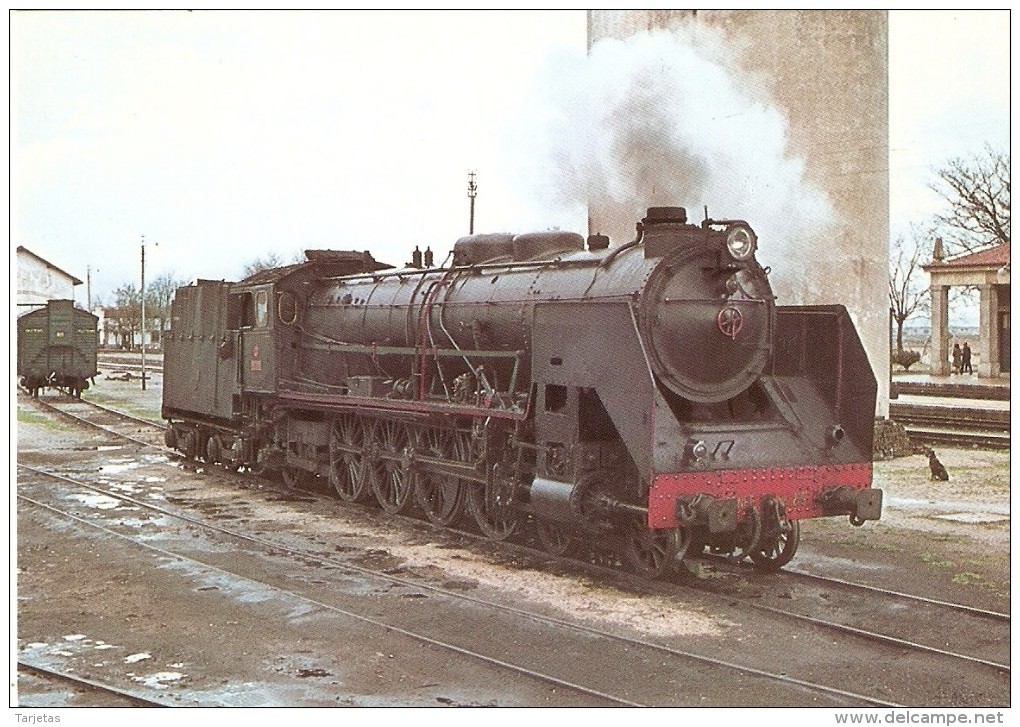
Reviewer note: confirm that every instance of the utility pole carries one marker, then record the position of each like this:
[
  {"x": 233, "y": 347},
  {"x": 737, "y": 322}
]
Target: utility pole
[
  {"x": 472, "y": 193},
  {"x": 88, "y": 287},
  {"x": 143, "y": 312}
]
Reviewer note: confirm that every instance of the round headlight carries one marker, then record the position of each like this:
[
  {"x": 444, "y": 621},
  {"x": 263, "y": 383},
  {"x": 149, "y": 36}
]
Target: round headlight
[{"x": 741, "y": 242}]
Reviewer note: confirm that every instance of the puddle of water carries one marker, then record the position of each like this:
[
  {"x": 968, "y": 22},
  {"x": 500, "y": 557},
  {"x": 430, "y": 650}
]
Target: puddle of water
[
  {"x": 974, "y": 517},
  {"x": 125, "y": 487},
  {"x": 157, "y": 680},
  {"x": 142, "y": 522},
  {"x": 100, "y": 502},
  {"x": 908, "y": 503},
  {"x": 116, "y": 468}
]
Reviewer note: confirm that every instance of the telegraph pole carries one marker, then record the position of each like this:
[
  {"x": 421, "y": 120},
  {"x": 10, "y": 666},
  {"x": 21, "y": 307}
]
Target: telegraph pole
[
  {"x": 143, "y": 312},
  {"x": 88, "y": 287},
  {"x": 472, "y": 193}
]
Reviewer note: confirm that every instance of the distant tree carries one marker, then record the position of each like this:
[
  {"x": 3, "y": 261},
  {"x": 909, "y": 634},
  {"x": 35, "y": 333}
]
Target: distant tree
[
  {"x": 158, "y": 296},
  {"x": 270, "y": 261},
  {"x": 906, "y": 358},
  {"x": 908, "y": 289},
  {"x": 977, "y": 190},
  {"x": 124, "y": 315}
]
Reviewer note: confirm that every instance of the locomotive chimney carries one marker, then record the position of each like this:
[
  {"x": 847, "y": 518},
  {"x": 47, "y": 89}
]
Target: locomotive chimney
[{"x": 664, "y": 229}]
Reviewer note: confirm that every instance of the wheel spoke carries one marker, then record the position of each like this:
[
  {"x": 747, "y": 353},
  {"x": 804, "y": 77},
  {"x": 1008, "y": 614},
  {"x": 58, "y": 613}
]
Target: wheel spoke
[
  {"x": 390, "y": 481},
  {"x": 654, "y": 553},
  {"x": 347, "y": 459},
  {"x": 494, "y": 517},
  {"x": 780, "y": 548},
  {"x": 438, "y": 495},
  {"x": 554, "y": 537}
]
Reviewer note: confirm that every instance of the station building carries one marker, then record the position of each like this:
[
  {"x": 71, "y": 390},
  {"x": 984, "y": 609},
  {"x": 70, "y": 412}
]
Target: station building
[
  {"x": 988, "y": 271},
  {"x": 39, "y": 281}
]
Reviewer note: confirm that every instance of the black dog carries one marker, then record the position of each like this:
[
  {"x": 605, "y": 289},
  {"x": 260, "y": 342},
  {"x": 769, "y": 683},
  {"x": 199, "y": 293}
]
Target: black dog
[{"x": 938, "y": 470}]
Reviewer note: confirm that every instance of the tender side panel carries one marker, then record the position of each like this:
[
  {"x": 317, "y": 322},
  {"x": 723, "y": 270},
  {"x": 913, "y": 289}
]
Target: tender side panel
[{"x": 199, "y": 360}]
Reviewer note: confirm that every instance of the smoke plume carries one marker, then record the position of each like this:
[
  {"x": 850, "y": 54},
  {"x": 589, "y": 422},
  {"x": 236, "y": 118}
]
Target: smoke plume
[{"x": 666, "y": 118}]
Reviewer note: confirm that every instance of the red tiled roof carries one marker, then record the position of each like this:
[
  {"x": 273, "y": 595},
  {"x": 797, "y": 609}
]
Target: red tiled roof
[{"x": 997, "y": 255}]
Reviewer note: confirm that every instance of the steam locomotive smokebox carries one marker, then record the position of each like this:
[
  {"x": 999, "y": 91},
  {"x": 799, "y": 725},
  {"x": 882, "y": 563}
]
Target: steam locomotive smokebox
[{"x": 546, "y": 245}]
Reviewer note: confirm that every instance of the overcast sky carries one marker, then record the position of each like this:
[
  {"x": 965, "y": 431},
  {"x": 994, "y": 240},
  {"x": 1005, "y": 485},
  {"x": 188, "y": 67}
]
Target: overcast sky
[{"x": 228, "y": 136}]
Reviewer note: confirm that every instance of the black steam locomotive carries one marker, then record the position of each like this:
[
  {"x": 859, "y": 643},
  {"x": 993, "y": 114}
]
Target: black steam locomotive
[
  {"x": 651, "y": 395},
  {"x": 57, "y": 346}
]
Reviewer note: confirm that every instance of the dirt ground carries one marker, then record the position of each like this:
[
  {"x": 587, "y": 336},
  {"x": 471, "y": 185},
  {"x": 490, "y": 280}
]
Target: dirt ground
[{"x": 946, "y": 540}]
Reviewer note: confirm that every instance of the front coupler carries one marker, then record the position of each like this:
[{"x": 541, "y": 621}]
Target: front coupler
[{"x": 860, "y": 504}]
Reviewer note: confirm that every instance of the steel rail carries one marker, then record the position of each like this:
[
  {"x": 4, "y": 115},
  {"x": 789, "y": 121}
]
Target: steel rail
[
  {"x": 843, "y": 628},
  {"x": 49, "y": 406},
  {"x": 562, "y": 683},
  {"x": 997, "y": 615},
  {"x": 90, "y": 683},
  {"x": 861, "y": 633},
  {"x": 349, "y": 568}
]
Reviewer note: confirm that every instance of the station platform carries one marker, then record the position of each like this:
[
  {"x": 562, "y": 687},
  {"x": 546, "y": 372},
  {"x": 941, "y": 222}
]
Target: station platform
[
  {"x": 963, "y": 386},
  {"x": 953, "y": 409}
]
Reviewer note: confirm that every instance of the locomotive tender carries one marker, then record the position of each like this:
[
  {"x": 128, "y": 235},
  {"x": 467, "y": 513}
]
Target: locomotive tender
[
  {"x": 652, "y": 396},
  {"x": 57, "y": 346}
]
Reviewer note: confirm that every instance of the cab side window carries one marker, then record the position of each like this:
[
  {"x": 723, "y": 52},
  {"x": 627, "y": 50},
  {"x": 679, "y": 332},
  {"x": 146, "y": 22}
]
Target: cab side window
[
  {"x": 262, "y": 309},
  {"x": 247, "y": 310}
]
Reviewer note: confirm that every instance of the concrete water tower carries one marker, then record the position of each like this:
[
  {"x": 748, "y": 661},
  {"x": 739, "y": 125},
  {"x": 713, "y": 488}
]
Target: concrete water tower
[{"x": 827, "y": 71}]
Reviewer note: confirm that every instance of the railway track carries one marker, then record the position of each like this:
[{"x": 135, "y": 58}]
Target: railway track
[
  {"x": 92, "y": 692},
  {"x": 927, "y": 435},
  {"x": 788, "y": 573},
  {"x": 952, "y": 625},
  {"x": 969, "y": 426},
  {"x": 636, "y": 657},
  {"x": 111, "y": 421},
  {"x": 927, "y": 610}
]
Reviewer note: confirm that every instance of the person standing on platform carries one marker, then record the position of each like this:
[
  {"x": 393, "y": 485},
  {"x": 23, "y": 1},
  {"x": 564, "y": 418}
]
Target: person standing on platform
[
  {"x": 957, "y": 358},
  {"x": 965, "y": 366}
]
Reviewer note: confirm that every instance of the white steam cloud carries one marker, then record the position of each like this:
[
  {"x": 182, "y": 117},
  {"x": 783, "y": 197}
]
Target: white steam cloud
[{"x": 666, "y": 118}]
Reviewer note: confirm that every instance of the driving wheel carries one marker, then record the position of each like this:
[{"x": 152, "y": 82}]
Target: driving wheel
[{"x": 438, "y": 495}]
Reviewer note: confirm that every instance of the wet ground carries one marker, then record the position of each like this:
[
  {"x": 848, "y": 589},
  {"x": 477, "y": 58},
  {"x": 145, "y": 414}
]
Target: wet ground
[{"x": 94, "y": 600}]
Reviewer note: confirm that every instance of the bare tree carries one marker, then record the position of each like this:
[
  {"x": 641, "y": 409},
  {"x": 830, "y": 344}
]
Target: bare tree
[
  {"x": 270, "y": 261},
  {"x": 124, "y": 315},
  {"x": 977, "y": 192},
  {"x": 159, "y": 295},
  {"x": 908, "y": 290}
]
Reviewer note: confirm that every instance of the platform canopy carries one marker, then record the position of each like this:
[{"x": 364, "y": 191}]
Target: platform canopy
[{"x": 988, "y": 271}]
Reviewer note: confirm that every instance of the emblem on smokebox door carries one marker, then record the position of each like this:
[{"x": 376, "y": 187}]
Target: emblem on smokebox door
[{"x": 730, "y": 321}]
